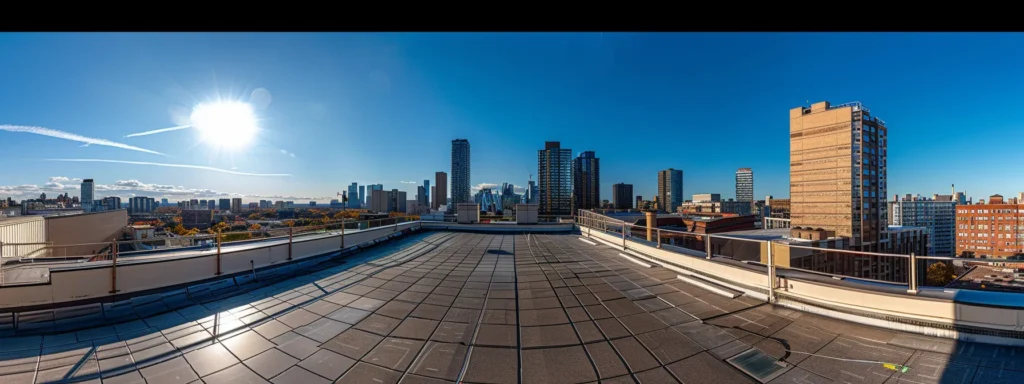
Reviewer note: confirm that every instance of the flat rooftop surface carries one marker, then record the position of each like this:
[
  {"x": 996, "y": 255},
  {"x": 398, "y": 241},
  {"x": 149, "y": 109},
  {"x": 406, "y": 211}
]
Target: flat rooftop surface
[{"x": 481, "y": 308}]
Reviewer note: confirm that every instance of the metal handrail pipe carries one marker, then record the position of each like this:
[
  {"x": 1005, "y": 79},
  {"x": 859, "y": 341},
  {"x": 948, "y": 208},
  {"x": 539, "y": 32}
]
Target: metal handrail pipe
[
  {"x": 715, "y": 236},
  {"x": 843, "y": 251},
  {"x": 832, "y": 275}
]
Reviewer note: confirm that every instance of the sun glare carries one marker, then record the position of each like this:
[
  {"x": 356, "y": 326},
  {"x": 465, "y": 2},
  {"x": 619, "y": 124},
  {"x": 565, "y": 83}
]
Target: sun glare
[{"x": 225, "y": 124}]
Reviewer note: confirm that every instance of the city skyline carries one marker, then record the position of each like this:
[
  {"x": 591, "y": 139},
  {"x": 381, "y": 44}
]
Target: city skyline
[{"x": 606, "y": 84}]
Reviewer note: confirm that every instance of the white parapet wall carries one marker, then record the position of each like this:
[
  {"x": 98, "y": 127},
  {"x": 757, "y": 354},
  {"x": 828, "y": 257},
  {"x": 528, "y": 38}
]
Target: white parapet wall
[
  {"x": 94, "y": 280},
  {"x": 907, "y": 312}
]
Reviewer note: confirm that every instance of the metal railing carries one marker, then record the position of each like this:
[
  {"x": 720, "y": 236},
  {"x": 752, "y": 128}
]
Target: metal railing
[
  {"x": 48, "y": 254},
  {"x": 909, "y": 272}
]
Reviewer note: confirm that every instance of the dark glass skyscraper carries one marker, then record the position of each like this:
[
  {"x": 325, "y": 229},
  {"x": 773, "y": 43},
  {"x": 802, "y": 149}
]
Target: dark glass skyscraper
[
  {"x": 554, "y": 174},
  {"x": 586, "y": 181},
  {"x": 670, "y": 189},
  {"x": 622, "y": 196},
  {"x": 460, "y": 173}
]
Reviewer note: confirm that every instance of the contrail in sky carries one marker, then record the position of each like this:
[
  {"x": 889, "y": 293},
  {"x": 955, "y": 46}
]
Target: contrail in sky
[
  {"x": 173, "y": 166},
  {"x": 161, "y": 130},
  {"x": 72, "y": 137}
]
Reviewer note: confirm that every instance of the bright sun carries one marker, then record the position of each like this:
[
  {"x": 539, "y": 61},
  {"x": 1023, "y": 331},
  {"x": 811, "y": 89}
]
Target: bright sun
[{"x": 225, "y": 124}]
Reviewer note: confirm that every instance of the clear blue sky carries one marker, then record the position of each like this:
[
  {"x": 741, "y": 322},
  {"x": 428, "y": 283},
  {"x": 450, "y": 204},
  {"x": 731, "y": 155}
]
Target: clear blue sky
[{"x": 383, "y": 108}]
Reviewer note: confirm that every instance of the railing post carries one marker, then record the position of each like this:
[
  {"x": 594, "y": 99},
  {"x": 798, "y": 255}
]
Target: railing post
[
  {"x": 623, "y": 235},
  {"x": 290, "y": 231},
  {"x": 218, "y": 254},
  {"x": 912, "y": 281},
  {"x": 343, "y": 233},
  {"x": 1, "y": 263},
  {"x": 113, "y": 267},
  {"x": 659, "y": 238},
  {"x": 650, "y": 226},
  {"x": 707, "y": 246},
  {"x": 771, "y": 273}
]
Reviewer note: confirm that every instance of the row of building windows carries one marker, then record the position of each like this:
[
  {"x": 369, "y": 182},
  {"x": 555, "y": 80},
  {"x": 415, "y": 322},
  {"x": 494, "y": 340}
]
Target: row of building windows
[
  {"x": 997, "y": 211},
  {"x": 997, "y": 227}
]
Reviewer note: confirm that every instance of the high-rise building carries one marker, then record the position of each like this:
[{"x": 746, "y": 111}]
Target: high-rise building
[
  {"x": 236, "y": 205},
  {"x": 225, "y": 204},
  {"x": 745, "y": 185},
  {"x": 532, "y": 193},
  {"x": 937, "y": 217},
  {"x": 388, "y": 201},
  {"x": 88, "y": 195},
  {"x": 460, "y": 172},
  {"x": 428, "y": 191},
  {"x": 670, "y": 189},
  {"x": 353, "y": 195},
  {"x": 837, "y": 156},
  {"x": 163, "y": 202},
  {"x": 111, "y": 203},
  {"x": 622, "y": 196},
  {"x": 586, "y": 181},
  {"x": 140, "y": 204},
  {"x": 554, "y": 174},
  {"x": 369, "y": 193},
  {"x": 440, "y": 190},
  {"x": 362, "y": 196},
  {"x": 421, "y": 196}
]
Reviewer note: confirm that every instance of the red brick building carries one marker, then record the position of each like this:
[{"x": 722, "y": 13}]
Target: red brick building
[{"x": 994, "y": 229}]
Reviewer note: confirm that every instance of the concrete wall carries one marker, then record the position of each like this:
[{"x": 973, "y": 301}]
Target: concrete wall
[
  {"x": 94, "y": 280},
  {"x": 90, "y": 228},
  {"x": 527, "y": 213}
]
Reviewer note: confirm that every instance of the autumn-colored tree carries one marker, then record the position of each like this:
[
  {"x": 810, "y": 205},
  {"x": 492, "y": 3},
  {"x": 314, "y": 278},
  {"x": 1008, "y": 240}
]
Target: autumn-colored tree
[
  {"x": 255, "y": 227},
  {"x": 939, "y": 274},
  {"x": 254, "y": 216},
  {"x": 179, "y": 230},
  {"x": 177, "y": 219},
  {"x": 290, "y": 223},
  {"x": 219, "y": 227}
]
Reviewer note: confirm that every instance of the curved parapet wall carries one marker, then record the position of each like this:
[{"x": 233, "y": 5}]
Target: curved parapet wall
[
  {"x": 101, "y": 281},
  {"x": 993, "y": 318},
  {"x": 502, "y": 227}
]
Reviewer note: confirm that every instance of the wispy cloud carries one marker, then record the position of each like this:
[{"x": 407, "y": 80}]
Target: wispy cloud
[
  {"x": 129, "y": 188},
  {"x": 407, "y": 182},
  {"x": 161, "y": 130},
  {"x": 62, "y": 179},
  {"x": 285, "y": 152},
  {"x": 205, "y": 168},
  {"x": 72, "y": 137}
]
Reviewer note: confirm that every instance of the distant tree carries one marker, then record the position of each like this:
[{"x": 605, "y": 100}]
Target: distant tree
[
  {"x": 219, "y": 227},
  {"x": 290, "y": 223},
  {"x": 179, "y": 230},
  {"x": 939, "y": 274},
  {"x": 254, "y": 216},
  {"x": 255, "y": 227}
]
